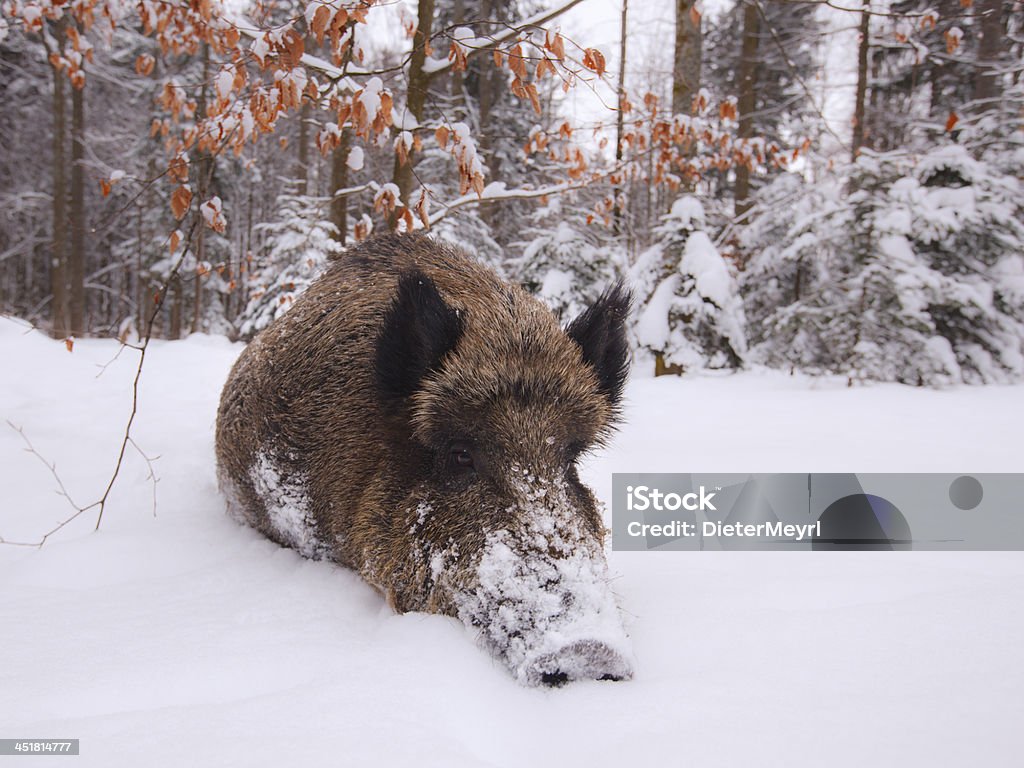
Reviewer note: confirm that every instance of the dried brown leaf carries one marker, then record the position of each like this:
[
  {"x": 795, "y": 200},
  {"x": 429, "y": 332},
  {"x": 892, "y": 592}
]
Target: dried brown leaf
[
  {"x": 181, "y": 198},
  {"x": 593, "y": 60},
  {"x": 441, "y": 134}
]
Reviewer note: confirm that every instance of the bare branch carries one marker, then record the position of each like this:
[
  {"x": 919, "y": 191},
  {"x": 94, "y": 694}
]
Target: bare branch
[
  {"x": 472, "y": 198},
  {"x": 61, "y": 490},
  {"x": 513, "y": 31},
  {"x": 157, "y": 306}
]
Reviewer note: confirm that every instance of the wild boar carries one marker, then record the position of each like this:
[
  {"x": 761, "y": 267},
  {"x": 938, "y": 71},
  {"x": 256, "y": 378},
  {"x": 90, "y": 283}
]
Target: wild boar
[{"x": 418, "y": 419}]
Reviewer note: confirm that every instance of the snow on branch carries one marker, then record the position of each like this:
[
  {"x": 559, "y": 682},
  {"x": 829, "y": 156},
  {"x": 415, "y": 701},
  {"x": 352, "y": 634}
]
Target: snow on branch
[
  {"x": 497, "y": 190},
  {"x": 438, "y": 66}
]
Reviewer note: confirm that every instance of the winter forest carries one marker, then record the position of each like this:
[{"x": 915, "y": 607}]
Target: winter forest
[{"x": 174, "y": 167}]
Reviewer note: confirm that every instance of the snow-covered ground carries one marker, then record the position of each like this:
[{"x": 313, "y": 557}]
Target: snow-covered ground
[{"x": 181, "y": 638}]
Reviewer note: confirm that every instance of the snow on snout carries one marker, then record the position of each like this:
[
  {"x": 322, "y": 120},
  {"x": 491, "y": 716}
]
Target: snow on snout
[{"x": 542, "y": 600}]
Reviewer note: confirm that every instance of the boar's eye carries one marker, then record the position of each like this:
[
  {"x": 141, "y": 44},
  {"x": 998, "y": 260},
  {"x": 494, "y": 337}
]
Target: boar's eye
[{"x": 460, "y": 459}]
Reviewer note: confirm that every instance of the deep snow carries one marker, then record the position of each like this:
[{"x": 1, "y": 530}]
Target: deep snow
[{"x": 186, "y": 639}]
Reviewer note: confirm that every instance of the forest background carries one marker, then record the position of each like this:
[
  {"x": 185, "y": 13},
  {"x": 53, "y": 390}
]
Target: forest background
[{"x": 824, "y": 186}]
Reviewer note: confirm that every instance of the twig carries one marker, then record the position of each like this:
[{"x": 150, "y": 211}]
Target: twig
[
  {"x": 111, "y": 361},
  {"x": 157, "y": 306},
  {"x": 796, "y": 75},
  {"x": 101, "y": 503},
  {"x": 149, "y": 464},
  {"x": 62, "y": 491}
]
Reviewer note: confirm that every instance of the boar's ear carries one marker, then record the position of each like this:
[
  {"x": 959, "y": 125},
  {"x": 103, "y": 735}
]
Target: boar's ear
[
  {"x": 601, "y": 334},
  {"x": 419, "y": 330}
]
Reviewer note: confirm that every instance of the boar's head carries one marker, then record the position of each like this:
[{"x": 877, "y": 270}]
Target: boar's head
[{"x": 489, "y": 405}]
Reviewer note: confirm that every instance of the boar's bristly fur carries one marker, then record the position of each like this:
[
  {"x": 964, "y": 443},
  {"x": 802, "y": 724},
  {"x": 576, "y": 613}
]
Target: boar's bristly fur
[{"x": 418, "y": 419}]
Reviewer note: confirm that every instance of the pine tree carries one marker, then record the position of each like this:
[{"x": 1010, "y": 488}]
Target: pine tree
[
  {"x": 797, "y": 239},
  {"x": 911, "y": 272},
  {"x": 563, "y": 264},
  {"x": 689, "y": 314},
  {"x": 296, "y": 250}
]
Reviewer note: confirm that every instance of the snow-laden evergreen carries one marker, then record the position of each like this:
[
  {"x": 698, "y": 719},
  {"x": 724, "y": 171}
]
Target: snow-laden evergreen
[
  {"x": 792, "y": 300},
  {"x": 688, "y": 310},
  {"x": 909, "y": 269},
  {"x": 471, "y": 233},
  {"x": 295, "y": 252},
  {"x": 563, "y": 264}
]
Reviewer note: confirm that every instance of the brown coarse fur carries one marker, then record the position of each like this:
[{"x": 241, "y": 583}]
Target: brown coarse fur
[{"x": 329, "y": 397}]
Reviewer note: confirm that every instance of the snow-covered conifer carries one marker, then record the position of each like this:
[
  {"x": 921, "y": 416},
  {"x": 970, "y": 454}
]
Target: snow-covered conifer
[
  {"x": 563, "y": 264},
  {"x": 688, "y": 312},
  {"x": 915, "y": 274},
  {"x": 297, "y": 246}
]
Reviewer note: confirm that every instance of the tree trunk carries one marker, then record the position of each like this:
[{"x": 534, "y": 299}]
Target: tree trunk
[
  {"x": 456, "y": 83},
  {"x": 197, "y": 282},
  {"x": 686, "y": 67},
  {"x": 986, "y": 82},
  {"x": 873, "y": 110},
  {"x": 58, "y": 252},
  {"x": 177, "y": 309},
  {"x": 747, "y": 102},
  {"x": 138, "y": 289},
  {"x": 154, "y": 309},
  {"x": 339, "y": 181},
  {"x": 489, "y": 80},
  {"x": 619, "y": 117},
  {"x": 302, "y": 172},
  {"x": 661, "y": 368},
  {"x": 863, "y": 47},
  {"x": 76, "y": 261},
  {"x": 245, "y": 263},
  {"x": 416, "y": 97},
  {"x": 205, "y": 171}
]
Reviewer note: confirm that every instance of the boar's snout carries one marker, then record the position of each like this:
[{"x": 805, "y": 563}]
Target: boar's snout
[
  {"x": 582, "y": 660},
  {"x": 540, "y": 598}
]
